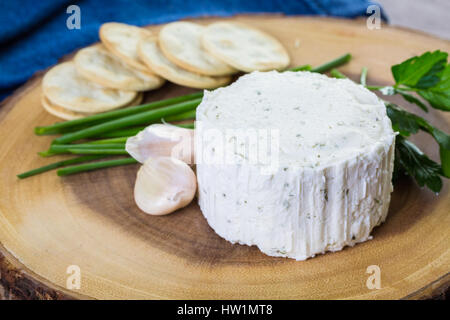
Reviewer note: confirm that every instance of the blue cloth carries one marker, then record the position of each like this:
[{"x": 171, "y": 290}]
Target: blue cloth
[{"x": 33, "y": 33}]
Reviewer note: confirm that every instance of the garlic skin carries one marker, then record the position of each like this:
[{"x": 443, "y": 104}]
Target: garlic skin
[
  {"x": 163, "y": 185},
  {"x": 162, "y": 140}
]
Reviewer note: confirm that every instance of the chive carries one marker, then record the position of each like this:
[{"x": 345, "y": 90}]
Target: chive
[
  {"x": 95, "y": 166},
  {"x": 182, "y": 116},
  {"x": 363, "y": 76},
  {"x": 58, "y": 165},
  {"x": 107, "y": 141},
  {"x": 120, "y": 136},
  {"x": 146, "y": 117},
  {"x": 59, "y": 126},
  {"x": 335, "y": 73},
  {"x": 133, "y": 132},
  {"x": 306, "y": 67},
  {"x": 128, "y": 132},
  {"x": 333, "y": 63},
  {"x": 64, "y": 148},
  {"x": 375, "y": 87},
  {"x": 98, "y": 151},
  {"x": 54, "y": 131}
]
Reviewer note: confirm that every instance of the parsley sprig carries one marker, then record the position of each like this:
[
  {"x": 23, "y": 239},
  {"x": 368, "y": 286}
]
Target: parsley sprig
[
  {"x": 412, "y": 160},
  {"x": 427, "y": 75},
  {"x": 409, "y": 158},
  {"x": 420, "y": 80}
]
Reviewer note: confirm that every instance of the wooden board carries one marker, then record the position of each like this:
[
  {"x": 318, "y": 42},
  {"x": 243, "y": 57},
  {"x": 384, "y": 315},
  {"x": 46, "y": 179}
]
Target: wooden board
[{"x": 90, "y": 220}]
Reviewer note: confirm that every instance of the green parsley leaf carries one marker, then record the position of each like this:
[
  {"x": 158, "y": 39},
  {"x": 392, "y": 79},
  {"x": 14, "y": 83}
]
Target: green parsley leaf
[
  {"x": 427, "y": 75},
  {"x": 415, "y": 163},
  {"x": 420, "y": 72},
  {"x": 390, "y": 91},
  {"x": 410, "y": 98},
  {"x": 445, "y": 161},
  {"x": 439, "y": 95},
  {"x": 407, "y": 123},
  {"x": 401, "y": 120}
]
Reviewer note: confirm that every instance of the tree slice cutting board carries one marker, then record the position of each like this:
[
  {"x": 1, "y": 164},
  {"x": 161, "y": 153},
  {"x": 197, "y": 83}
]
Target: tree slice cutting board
[{"x": 48, "y": 223}]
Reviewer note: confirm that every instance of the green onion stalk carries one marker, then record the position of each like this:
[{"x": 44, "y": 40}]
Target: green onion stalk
[
  {"x": 146, "y": 117},
  {"x": 95, "y": 166},
  {"x": 60, "y": 126}
]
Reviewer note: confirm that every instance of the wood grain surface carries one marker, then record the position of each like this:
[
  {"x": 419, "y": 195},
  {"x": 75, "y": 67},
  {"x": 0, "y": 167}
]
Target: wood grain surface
[{"x": 48, "y": 223}]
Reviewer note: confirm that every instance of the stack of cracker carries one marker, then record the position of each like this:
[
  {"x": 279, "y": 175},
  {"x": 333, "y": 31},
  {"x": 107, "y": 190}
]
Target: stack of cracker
[{"x": 131, "y": 60}]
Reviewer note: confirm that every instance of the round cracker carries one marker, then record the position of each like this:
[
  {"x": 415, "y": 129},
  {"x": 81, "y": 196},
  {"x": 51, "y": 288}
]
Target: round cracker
[
  {"x": 122, "y": 40},
  {"x": 64, "y": 87},
  {"x": 244, "y": 48},
  {"x": 151, "y": 54},
  {"x": 181, "y": 43},
  {"x": 61, "y": 112},
  {"x": 97, "y": 64},
  {"x": 66, "y": 114}
]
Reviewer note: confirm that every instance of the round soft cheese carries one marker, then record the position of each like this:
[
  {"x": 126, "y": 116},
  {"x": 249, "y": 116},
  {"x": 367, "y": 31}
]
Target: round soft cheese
[{"x": 295, "y": 163}]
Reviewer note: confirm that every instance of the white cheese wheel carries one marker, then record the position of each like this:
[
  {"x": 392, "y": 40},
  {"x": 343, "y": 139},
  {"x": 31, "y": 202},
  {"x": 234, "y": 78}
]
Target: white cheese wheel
[{"x": 330, "y": 181}]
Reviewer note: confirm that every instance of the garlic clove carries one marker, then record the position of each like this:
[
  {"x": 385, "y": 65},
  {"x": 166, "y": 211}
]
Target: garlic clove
[
  {"x": 162, "y": 140},
  {"x": 163, "y": 185}
]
